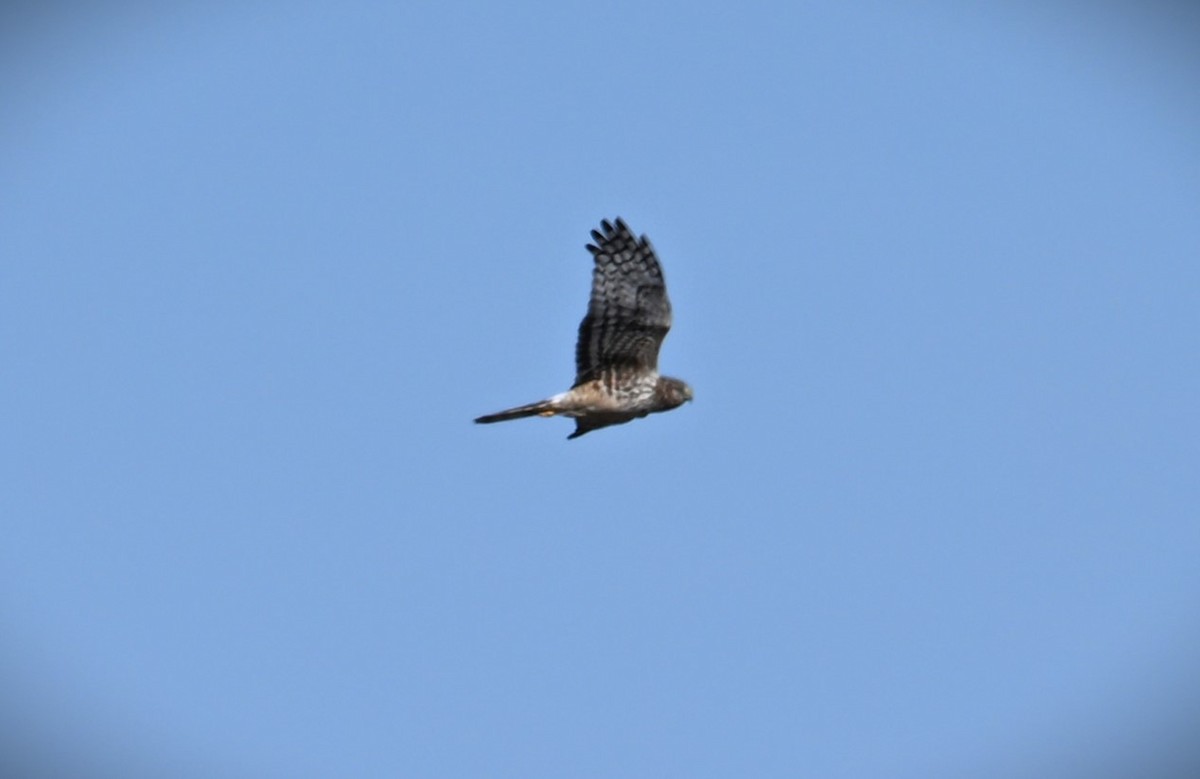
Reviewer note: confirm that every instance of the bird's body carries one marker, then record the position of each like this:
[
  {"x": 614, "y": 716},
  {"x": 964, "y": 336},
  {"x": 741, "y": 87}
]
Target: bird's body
[{"x": 616, "y": 357}]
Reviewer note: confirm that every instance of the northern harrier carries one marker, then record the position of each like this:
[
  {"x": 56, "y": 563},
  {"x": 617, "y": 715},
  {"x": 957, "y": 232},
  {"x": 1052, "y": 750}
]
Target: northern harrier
[{"x": 616, "y": 357}]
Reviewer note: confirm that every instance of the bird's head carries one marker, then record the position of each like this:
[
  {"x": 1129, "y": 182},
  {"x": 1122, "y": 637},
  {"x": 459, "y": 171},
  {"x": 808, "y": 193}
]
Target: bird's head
[{"x": 673, "y": 391}]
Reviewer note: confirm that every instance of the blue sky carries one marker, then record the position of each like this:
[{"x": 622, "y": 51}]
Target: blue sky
[{"x": 932, "y": 513}]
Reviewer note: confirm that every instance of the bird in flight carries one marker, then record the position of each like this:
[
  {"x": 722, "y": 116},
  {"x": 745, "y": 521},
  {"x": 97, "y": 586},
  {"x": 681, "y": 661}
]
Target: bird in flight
[{"x": 616, "y": 357}]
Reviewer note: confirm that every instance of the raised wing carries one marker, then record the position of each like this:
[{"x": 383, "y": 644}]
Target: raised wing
[{"x": 629, "y": 313}]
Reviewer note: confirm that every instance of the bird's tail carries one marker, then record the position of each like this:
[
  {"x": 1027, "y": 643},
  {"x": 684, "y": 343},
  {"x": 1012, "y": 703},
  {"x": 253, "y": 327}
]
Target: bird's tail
[{"x": 543, "y": 408}]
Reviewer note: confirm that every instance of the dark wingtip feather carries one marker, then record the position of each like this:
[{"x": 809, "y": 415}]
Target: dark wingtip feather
[{"x": 611, "y": 230}]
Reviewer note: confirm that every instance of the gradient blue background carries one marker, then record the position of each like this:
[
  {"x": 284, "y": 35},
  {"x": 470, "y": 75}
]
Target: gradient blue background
[{"x": 936, "y": 275}]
